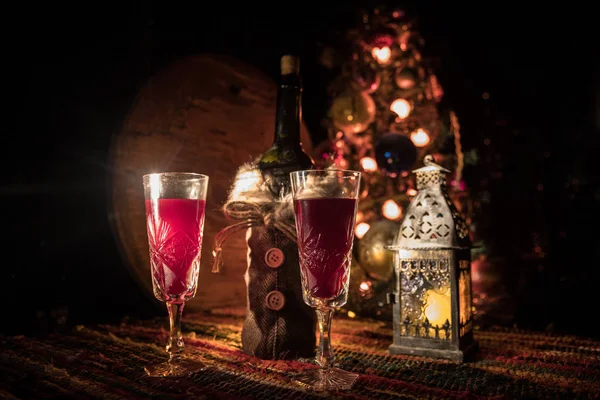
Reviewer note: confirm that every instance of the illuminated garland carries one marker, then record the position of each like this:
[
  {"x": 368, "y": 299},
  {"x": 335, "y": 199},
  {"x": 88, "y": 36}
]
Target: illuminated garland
[{"x": 383, "y": 118}]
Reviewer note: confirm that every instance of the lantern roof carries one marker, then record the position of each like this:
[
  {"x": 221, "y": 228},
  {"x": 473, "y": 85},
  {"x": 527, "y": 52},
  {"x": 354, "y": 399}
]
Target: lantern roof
[{"x": 431, "y": 220}]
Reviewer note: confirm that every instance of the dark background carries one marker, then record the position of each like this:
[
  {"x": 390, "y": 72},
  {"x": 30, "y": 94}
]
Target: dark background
[{"x": 75, "y": 71}]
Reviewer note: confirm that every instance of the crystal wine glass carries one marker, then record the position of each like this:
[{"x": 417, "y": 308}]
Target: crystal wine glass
[
  {"x": 325, "y": 203},
  {"x": 175, "y": 204}
]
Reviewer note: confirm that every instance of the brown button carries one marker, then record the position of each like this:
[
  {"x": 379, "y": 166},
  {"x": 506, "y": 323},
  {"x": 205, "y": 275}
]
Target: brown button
[
  {"x": 275, "y": 300},
  {"x": 274, "y": 258}
]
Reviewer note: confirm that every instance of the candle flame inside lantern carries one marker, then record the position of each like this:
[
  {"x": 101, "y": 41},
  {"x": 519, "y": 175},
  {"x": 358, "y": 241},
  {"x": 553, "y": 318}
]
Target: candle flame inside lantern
[
  {"x": 420, "y": 137},
  {"x": 437, "y": 309},
  {"x": 401, "y": 107},
  {"x": 391, "y": 210},
  {"x": 382, "y": 55}
]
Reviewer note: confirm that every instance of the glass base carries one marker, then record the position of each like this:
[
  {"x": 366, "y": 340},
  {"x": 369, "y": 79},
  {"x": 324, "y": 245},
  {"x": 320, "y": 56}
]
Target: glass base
[
  {"x": 326, "y": 379},
  {"x": 180, "y": 367}
]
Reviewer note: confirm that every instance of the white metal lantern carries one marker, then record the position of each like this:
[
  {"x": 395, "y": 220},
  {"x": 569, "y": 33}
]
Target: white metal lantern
[{"x": 432, "y": 263}]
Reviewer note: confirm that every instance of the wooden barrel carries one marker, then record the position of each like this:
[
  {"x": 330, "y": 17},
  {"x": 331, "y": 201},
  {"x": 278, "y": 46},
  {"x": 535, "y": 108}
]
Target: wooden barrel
[{"x": 207, "y": 114}]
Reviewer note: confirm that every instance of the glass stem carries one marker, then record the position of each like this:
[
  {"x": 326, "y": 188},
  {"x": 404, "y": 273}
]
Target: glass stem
[
  {"x": 324, "y": 353},
  {"x": 175, "y": 343}
]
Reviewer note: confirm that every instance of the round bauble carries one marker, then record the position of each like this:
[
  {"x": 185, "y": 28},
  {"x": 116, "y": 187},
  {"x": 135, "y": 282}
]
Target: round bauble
[
  {"x": 374, "y": 258},
  {"x": 406, "y": 78},
  {"x": 353, "y": 111},
  {"x": 395, "y": 153}
]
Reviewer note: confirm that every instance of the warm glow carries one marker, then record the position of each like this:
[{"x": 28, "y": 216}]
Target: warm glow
[
  {"x": 382, "y": 55},
  {"x": 364, "y": 286},
  {"x": 476, "y": 271},
  {"x": 420, "y": 138},
  {"x": 155, "y": 191},
  {"x": 351, "y": 314},
  {"x": 368, "y": 164},
  {"x": 401, "y": 107},
  {"x": 437, "y": 309},
  {"x": 245, "y": 182},
  {"x": 360, "y": 216},
  {"x": 342, "y": 163},
  {"x": 361, "y": 229},
  {"x": 391, "y": 210},
  {"x": 154, "y": 186},
  {"x": 411, "y": 192}
]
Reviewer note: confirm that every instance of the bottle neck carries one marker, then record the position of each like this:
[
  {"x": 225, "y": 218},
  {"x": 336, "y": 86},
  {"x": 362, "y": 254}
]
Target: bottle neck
[{"x": 289, "y": 108}]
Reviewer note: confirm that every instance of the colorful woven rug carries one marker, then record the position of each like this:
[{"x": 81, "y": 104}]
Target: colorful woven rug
[{"x": 107, "y": 362}]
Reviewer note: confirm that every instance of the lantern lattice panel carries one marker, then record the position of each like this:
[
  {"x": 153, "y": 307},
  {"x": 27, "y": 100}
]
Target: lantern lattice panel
[
  {"x": 462, "y": 230},
  {"x": 430, "y": 178}
]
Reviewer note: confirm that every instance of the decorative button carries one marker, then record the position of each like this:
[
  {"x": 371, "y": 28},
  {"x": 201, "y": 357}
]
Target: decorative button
[
  {"x": 275, "y": 300},
  {"x": 274, "y": 258}
]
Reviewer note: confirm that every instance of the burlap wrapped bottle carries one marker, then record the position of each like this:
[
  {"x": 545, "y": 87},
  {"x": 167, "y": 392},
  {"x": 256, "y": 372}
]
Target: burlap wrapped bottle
[{"x": 278, "y": 325}]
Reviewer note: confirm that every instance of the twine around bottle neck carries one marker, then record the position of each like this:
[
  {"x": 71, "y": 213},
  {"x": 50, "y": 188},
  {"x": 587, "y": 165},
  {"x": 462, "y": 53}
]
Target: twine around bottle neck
[{"x": 249, "y": 215}]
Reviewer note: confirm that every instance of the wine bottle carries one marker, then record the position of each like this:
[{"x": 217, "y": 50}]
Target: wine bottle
[
  {"x": 279, "y": 324},
  {"x": 286, "y": 154}
]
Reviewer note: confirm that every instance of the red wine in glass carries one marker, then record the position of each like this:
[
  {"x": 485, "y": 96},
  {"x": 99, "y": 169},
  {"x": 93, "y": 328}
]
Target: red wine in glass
[
  {"x": 325, "y": 236},
  {"x": 175, "y": 228},
  {"x": 325, "y": 203},
  {"x": 175, "y": 204}
]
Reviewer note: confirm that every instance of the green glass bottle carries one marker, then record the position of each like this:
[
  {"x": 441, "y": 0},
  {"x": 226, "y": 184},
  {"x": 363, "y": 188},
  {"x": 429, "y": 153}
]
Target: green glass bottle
[
  {"x": 286, "y": 154},
  {"x": 279, "y": 324}
]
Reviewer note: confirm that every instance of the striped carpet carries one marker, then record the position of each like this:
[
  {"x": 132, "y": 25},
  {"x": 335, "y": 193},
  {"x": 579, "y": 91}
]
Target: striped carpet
[{"x": 107, "y": 362}]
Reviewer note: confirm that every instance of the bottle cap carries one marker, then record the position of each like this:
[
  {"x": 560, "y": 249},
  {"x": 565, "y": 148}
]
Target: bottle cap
[{"x": 290, "y": 65}]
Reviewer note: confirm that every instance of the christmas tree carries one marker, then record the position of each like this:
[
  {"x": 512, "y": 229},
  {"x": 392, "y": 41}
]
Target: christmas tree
[{"x": 384, "y": 117}]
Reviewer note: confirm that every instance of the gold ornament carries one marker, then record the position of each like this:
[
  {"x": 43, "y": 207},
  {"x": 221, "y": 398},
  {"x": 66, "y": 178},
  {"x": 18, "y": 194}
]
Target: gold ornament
[
  {"x": 406, "y": 78},
  {"x": 374, "y": 258},
  {"x": 353, "y": 111}
]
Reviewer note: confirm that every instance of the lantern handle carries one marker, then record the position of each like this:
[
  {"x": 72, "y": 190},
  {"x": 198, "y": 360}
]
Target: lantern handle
[{"x": 429, "y": 161}]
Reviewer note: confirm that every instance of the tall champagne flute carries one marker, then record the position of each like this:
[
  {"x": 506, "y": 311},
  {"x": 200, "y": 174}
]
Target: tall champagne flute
[
  {"x": 175, "y": 204},
  {"x": 325, "y": 203}
]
